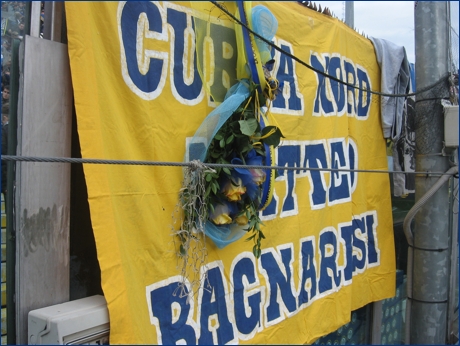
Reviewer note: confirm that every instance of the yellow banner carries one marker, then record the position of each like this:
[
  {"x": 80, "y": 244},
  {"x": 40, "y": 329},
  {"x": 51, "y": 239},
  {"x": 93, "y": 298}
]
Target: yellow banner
[{"x": 329, "y": 245}]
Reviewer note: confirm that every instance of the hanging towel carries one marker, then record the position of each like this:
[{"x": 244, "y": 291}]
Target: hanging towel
[
  {"x": 404, "y": 147},
  {"x": 395, "y": 78},
  {"x": 404, "y": 153}
]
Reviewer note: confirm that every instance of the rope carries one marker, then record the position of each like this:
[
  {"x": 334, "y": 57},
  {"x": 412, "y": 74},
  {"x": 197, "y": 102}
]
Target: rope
[
  {"x": 198, "y": 165},
  {"x": 293, "y": 57}
]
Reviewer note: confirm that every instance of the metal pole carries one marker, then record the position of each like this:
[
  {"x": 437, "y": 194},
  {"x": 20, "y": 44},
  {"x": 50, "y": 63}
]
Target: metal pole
[
  {"x": 350, "y": 13},
  {"x": 431, "y": 254},
  {"x": 35, "y": 24},
  {"x": 9, "y": 200},
  {"x": 53, "y": 20},
  {"x": 452, "y": 315}
]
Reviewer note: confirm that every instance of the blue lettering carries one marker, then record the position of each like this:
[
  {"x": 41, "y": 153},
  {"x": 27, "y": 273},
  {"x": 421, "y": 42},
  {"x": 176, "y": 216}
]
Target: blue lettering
[
  {"x": 338, "y": 89},
  {"x": 347, "y": 233},
  {"x": 332, "y": 96},
  {"x": 373, "y": 255},
  {"x": 364, "y": 98},
  {"x": 279, "y": 278},
  {"x": 315, "y": 157},
  {"x": 147, "y": 78},
  {"x": 271, "y": 210},
  {"x": 163, "y": 300},
  {"x": 322, "y": 104},
  {"x": 352, "y": 160},
  {"x": 325, "y": 188},
  {"x": 359, "y": 246},
  {"x": 289, "y": 98},
  {"x": 289, "y": 155},
  {"x": 329, "y": 272},
  {"x": 215, "y": 325},
  {"x": 340, "y": 188},
  {"x": 221, "y": 45},
  {"x": 187, "y": 82},
  {"x": 227, "y": 317},
  {"x": 244, "y": 303},
  {"x": 350, "y": 74},
  {"x": 308, "y": 271}
]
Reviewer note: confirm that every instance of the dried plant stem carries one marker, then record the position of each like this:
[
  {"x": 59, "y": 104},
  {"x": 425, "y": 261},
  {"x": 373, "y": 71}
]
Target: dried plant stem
[{"x": 190, "y": 240}]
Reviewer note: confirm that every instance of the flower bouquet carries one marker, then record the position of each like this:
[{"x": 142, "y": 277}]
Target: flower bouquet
[
  {"x": 230, "y": 197},
  {"x": 223, "y": 202},
  {"x": 235, "y": 195}
]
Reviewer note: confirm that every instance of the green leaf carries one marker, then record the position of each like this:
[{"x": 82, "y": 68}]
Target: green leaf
[
  {"x": 256, "y": 251},
  {"x": 211, "y": 208},
  {"x": 230, "y": 139},
  {"x": 214, "y": 188},
  {"x": 251, "y": 237},
  {"x": 208, "y": 177},
  {"x": 208, "y": 190},
  {"x": 260, "y": 151},
  {"x": 218, "y": 136},
  {"x": 222, "y": 143},
  {"x": 275, "y": 138},
  {"x": 248, "y": 127},
  {"x": 226, "y": 170}
]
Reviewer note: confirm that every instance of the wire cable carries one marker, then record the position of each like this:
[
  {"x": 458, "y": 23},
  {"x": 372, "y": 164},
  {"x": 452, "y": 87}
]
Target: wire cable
[
  {"x": 293, "y": 57},
  {"x": 196, "y": 164}
]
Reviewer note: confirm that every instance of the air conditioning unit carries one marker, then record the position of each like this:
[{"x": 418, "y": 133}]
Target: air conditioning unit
[
  {"x": 451, "y": 126},
  {"x": 78, "y": 322}
]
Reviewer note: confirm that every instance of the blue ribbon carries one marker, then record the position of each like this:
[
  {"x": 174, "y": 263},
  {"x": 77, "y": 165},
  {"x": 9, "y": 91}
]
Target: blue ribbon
[
  {"x": 248, "y": 46},
  {"x": 255, "y": 79}
]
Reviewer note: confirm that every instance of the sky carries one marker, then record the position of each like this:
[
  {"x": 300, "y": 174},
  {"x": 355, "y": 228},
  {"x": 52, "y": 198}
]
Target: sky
[{"x": 390, "y": 20}]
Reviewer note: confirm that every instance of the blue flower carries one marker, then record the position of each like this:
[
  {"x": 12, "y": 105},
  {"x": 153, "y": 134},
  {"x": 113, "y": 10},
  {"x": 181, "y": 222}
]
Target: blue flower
[
  {"x": 253, "y": 177},
  {"x": 258, "y": 174}
]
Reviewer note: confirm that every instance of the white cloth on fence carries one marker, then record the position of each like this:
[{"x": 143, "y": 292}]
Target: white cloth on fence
[{"x": 395, "y": 77}]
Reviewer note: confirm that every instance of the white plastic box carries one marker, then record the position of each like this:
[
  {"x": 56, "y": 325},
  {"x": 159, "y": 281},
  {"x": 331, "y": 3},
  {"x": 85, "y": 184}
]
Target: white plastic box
[
  {"x": 78, "y": 322},
  {"x": 451, "y": 126}
]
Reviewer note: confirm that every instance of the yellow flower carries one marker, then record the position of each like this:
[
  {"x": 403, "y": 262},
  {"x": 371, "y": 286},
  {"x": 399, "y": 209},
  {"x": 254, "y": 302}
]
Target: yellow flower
[
  {"x": 220, "y": 215},
  {"x": 222, "y": 219},
  {"x": 242, "y": 220},
  {"x": 234, "y": 190}
]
